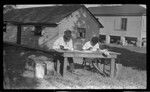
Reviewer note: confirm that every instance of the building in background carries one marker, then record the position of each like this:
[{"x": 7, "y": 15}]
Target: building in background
[
  {"x": 41, "y": 26},
  {"x": 125, "y": 24}
]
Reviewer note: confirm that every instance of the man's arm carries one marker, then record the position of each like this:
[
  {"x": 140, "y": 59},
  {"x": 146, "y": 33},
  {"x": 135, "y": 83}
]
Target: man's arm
[
  {"x": 87, "y": 46},
  {"x": 96, "y": 47},
  {"x": 57, "y": 44},
  {"x": 70, "y": 47}
]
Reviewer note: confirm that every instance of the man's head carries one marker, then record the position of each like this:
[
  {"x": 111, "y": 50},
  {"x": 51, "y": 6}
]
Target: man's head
[
  {"x": 67, "y": 35},
  {"x": 94, "y": 41}
]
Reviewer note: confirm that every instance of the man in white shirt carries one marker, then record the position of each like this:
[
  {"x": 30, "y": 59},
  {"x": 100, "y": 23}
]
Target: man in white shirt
[
  {"x": 91, "y": 45},
  {"x": 64, "y": 43}
]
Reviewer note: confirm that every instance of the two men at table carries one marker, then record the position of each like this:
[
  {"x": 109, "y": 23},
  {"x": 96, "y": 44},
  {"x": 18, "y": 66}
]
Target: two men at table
[{"x": 66, "y": 43}]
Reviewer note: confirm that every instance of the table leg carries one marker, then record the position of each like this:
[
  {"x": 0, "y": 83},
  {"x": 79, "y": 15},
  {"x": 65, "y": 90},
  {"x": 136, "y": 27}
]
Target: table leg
[
  {"x": 55, "y": 65},
  {"x": 104, "y": 67},
  {"x": 58, "y": 66},
  {"x": 45, "y": 68},
  {"x": 100, "y": 66},
  {"x": 64, "y": 67},
  {"x": 34, "y": 70},
  {"x": 112, "y": 68}
]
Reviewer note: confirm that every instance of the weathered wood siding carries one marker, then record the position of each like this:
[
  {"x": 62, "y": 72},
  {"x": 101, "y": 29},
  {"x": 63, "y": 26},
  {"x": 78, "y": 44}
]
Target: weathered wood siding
[
  {"x": 11, "y": 34},
  {"x": 28, "y": 38},
  {"x": 143, "y": 31},
  {"x": 49, "y": 36},
  {"x": 133, "y": 26},
  {"x": 79, "y": 19}
]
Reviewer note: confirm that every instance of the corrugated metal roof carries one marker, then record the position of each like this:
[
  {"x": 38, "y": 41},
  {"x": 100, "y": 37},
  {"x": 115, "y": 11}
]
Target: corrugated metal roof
[
  {"x": 124, "y": 10},
  {"x": 51, "y": 14}
]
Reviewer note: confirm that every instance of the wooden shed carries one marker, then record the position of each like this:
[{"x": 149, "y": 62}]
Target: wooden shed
[{"x": 39, "y": 27}]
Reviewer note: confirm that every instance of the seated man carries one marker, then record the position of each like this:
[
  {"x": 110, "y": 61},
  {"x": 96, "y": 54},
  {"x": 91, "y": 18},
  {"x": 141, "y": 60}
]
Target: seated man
[
  {"x": 93, "y": 45},
  {"x": 64, "y": 43}
]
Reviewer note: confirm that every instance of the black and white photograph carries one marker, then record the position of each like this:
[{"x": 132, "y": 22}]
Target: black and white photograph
[{"x": 74, "y": 46}]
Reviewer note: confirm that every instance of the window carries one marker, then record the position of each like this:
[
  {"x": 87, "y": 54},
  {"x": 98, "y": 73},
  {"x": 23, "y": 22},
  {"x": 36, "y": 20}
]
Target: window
[
  {"x": 123, "y": 23},
  {"x": 38, "y": 31},
  {"x": 97, "y": 18},
  {"x": 4, "y": 28},
  {"x": 81, "y": 32}
]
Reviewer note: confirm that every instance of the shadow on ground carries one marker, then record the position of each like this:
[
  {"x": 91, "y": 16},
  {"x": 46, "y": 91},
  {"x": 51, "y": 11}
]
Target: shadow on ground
[
  {"x": 14, "y": 67},
  {"x": 130, "y": 58},
  {"x": 16, "y": 63}
]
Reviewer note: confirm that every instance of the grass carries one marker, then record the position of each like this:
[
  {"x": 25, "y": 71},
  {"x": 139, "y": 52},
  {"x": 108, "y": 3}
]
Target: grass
[
  {"x": 135, "y": 58},
  {"x": 14, "y": 68},
  {"x": 132, "y": 75}
]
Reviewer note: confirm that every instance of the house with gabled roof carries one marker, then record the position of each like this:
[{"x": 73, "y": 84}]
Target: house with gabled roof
[
  {"x": 49, "y": 23},
  {"x": 125, "y": 23}
]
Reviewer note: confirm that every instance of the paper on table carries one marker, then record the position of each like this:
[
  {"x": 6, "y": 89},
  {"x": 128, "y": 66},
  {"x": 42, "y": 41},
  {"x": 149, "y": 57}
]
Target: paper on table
[
  {"x": 86, "y": 51},
  {"x": 105, "y": 51}
]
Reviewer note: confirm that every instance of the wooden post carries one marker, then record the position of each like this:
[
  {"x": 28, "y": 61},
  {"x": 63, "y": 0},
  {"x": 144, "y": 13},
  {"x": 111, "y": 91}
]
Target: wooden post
[
  {"x": 123, "y": 40},
  {"x": 34, "y": 69},
  {"x": 55, "y": 66},
  {"x": 139, "y": 42},
  {"x": 112, "y": 68},
  {"x": 64, "y": 67},
  {"x": 18, "y": 34},
  {"x": 58, "y": 66},
  {"x": 108, "y": 39}
]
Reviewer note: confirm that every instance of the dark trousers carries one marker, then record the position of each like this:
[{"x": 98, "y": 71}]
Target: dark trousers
[{"x": 60, "y": 58}]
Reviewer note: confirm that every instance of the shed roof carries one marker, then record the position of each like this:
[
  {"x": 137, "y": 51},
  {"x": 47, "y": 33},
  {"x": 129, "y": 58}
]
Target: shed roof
[
  {"x": 49, "y": 14},
  {"x": 124, "y": 10}
]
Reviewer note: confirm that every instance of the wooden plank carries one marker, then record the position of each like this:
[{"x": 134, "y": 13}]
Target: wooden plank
[
  {"x": 64, "y": 67},
  {"x": 55, "y": 66},
  {"x": 112, "y": 71},
  {"x": 87, "y": 55},
  {"x": 86, "y": 52},
  {"x": 104, "y": 67},
  {"x": 34, "y": 24},
  {"x": 58, "y": 66},
  {"x": 18, "y": 34},
  {"x": 30, "y": 48},
  {"x": 100, "y": 71}
]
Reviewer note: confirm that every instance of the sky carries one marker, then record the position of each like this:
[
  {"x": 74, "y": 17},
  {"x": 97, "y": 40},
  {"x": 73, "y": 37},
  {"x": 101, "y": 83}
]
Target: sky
[{"x": 87, "y": 5}]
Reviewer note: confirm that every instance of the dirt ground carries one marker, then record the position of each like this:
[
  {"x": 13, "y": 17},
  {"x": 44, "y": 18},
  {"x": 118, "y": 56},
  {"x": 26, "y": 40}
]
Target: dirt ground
[{"x": 132, "y": 75}]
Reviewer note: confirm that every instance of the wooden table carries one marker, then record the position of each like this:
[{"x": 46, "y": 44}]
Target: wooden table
[{"x": 82, "y": 54}]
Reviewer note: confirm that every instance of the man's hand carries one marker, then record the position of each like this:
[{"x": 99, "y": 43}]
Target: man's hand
[
  {"x": 89, "y": 48},
  {"x": 62, "y": 47}
]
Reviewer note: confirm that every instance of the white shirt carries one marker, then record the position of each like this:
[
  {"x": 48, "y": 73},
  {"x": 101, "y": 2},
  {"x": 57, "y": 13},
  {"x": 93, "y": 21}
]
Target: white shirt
[
  {"x": 87, "y": 45},
  {"x": 60, "y": 41}
]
